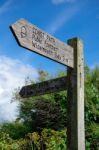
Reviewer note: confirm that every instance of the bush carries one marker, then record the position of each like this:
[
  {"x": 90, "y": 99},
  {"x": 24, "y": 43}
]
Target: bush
[{"x": 48, "y": 139}]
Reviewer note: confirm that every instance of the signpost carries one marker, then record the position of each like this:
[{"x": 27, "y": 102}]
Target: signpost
[
  {"x": 45, "y": 87},
  {"x": 34, "y": 39},
  {"x": 71, "y": 55},
  {"x": 75, "y": 91}
]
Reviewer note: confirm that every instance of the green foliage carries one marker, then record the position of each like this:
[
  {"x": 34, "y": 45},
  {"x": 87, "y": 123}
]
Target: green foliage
[
  {"x": 48, "y": 139},
  {"x": 92, "y": 107},
  {"x": 92, "y": 95},
  {"x": 54, "y": 140},
  {"x": 47, "y": 111},
  {"x": 15, "y": 130},
  {"x": 49, "y": 114},
  {"x": 50, "y": 111}
]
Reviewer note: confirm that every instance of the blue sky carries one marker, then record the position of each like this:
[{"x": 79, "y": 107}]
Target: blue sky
[{"x": 63, "y": 19}]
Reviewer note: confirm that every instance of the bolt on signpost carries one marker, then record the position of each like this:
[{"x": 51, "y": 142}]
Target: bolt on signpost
[{"x": 71, "y": 55}]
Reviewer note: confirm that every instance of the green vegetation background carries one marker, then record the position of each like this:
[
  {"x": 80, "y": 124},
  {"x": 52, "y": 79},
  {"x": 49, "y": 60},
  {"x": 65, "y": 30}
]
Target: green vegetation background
[{"x": 42, "y": 120}]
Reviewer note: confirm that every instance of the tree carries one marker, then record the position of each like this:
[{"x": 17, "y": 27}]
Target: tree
[
  {"x": 92, "y": 106},
  {"x": 44, "y": 111},
  {"x": 50, "y": 110}
]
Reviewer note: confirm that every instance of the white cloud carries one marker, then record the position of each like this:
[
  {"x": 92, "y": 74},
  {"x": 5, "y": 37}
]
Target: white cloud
[
  {"x": 57, "y": 2},
  {"x": 62, "y": 18},
  {"x": 5, "y": 7},
  {"x": 12, "y": 75}
]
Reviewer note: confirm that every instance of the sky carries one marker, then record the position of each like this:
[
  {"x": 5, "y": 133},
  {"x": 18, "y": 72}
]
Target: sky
[{"x": 64, "y": 19}]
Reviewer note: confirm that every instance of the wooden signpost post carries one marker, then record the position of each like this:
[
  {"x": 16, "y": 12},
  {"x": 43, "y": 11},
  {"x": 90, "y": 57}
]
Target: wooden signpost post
[
  {"x": 71, "y": 55},
  {"x": 75, "y": 132}
]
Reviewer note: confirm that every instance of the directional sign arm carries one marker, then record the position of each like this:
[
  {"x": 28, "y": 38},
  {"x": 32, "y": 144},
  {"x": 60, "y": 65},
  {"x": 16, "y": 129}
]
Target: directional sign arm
[
  {"x": 36, "y": 40},
  {"x": 46, "y": 87}
]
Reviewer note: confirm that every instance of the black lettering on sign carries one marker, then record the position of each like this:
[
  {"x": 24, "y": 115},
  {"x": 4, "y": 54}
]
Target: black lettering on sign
[
  {"x": 50, "y": 40},
  {"x": 37, "y": 36},
  {"x": 23, "y": 32},
  {"x": 32, "y": 38}
]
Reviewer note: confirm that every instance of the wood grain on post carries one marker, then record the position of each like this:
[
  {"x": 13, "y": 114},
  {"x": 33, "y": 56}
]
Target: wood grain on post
[{"x": 75, "y": 129}]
